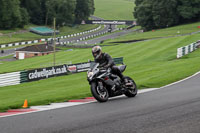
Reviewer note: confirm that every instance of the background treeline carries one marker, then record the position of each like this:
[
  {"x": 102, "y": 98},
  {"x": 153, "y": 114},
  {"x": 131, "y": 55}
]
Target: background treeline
[
  {"x": 153, "y": 14},
  {"x": 17, "y": 13}
]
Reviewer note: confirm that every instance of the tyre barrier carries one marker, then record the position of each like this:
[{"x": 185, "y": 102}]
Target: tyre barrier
[
  {"x": 83, "y": 38},
  {"x": 13, "y": 78},
  {"x": 187, "y": 49},
  {"x": 46, "y": 39}
]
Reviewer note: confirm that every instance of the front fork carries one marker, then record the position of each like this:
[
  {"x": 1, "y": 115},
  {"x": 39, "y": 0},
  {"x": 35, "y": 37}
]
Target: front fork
[{"x": 100, "y": 84}]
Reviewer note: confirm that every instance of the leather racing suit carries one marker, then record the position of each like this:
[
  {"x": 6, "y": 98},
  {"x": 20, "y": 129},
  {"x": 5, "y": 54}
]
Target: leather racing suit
[{"x": 107, "y": 62}]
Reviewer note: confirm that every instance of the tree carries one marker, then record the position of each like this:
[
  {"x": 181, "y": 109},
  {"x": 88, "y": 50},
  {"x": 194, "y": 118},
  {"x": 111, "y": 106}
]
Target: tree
[
  {"x": 165, "y": 13},
  {"x": 65, "y": 12},
  {"x": 84, "y": 8},
  {"x": 143, "y": 14},
  {"x": 152, "y": 14},
  {"x": 189, "y": 9},
  {"x": 25, "y": 17},
  {"x": 91, "y": 7},
  {"x": 17, "y": 13},
  {"x": 138, "y": 2},
  {"x": 62, "y": 10},
  {"x": 35, "y": 10},
  {"x": 10, "y": 15}
]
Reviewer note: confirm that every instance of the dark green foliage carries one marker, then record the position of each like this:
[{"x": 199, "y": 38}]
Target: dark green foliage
[
  {"x": 17, "y": 13},
  {"x": 62, "y": 10},
  {"x": 152, "y": 14},
  {"x": 138, "y": 2},
  {"x": 144, "y": 15},
  {"x": 34, "y": 8},
  {"x": 84, "y": 8},
  {"x": 91, "y": 7},
  {"x": 65, "y": 12},
  {"x": 10, "y": 15},
  {"x": 25, "y": 17},
  {"x": 189, "y": 9},
  {"x": 165, "y": 13}
]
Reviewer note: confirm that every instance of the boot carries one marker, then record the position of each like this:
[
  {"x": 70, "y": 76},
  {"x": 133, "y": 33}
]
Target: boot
[{"x": 125, "y": 80}]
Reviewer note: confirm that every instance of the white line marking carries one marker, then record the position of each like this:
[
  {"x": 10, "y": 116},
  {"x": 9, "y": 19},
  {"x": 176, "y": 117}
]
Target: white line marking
[{"x": 180, "y": 80}]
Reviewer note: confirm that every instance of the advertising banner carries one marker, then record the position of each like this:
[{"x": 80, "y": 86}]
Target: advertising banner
[
  {"x": 72, "y": 68},
  {"x": 83, "y": 67},
  {"x": 44, "y": 73},
  {"x": 112, "y": 22}
]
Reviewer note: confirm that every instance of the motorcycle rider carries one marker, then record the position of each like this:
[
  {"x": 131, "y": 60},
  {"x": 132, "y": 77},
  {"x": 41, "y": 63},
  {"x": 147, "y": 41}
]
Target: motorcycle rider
[{"x": 106, "y": 62}]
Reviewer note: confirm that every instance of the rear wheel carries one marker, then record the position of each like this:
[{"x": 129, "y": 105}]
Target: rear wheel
[
  {"x": 99, "y": 92},
  {"x": 132, "y": 90}
]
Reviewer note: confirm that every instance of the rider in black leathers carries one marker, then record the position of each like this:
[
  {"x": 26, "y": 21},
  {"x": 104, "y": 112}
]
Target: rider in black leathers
[{"x": 106, "y": 61}]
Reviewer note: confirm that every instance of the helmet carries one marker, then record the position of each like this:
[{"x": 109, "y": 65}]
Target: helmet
[{"x": 96, "y": 52}]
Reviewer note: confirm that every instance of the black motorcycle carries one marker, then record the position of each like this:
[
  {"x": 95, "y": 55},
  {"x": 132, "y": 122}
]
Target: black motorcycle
[{"x": 104, "y": 84}]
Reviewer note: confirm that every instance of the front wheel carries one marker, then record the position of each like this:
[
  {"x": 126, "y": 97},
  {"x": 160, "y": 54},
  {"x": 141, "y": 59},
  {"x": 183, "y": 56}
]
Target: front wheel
[
  {"x": 132, "y": 90},
  {"x": 99, "y": 92}
]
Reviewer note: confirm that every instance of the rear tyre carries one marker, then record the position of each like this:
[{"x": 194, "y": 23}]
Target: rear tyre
[
  {"x": 132, "y": 90},
  {"x": 101, "y": 95}
]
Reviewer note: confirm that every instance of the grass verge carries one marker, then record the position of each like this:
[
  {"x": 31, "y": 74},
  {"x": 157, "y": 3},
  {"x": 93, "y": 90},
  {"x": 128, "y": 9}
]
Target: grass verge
[
  {"x": 150, "y": 63},
  {"x": 114, "y": 9},
  {"x": 172, "y": 31}
]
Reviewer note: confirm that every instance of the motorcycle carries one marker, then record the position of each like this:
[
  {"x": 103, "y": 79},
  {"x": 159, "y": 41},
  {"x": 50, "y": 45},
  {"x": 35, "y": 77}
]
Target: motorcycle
[{"x": 104, "y": 84}]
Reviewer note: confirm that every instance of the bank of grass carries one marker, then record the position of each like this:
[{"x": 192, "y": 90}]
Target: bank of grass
[
  {"x": 6, "y": 57},
  {"x": 150, "y": 63},
  {"x": 114, "y": 9},
  {"x": 44, "y": 92},
  {"x": 31, "y": 36},
  {"x": 172, "y": 31}
]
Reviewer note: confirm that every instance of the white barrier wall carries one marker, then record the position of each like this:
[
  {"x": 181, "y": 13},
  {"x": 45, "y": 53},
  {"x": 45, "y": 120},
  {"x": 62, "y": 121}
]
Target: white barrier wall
[
  {"x": 9, "y": 79},
  {"x": 187, "y": 49}
]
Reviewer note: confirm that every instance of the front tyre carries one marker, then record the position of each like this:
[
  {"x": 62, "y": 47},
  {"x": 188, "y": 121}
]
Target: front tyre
[
  {"x": 99, "y": 93},
  {"x": 131, "y": 90}
]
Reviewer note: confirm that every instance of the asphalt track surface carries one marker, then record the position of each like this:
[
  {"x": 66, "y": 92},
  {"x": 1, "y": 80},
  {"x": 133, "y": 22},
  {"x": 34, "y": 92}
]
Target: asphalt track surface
[
  {"x": 74, "y": 39},
  {"x": 172, "y": 109},
  {"x": 106, "y": 37}
]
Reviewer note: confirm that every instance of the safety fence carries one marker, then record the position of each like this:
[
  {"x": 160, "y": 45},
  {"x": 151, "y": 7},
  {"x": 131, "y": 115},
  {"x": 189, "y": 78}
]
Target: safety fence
[
  {"x": 48, "y": 39},
  {"x": 187, "y": 49},
  {"x": 16, "y": 78}
]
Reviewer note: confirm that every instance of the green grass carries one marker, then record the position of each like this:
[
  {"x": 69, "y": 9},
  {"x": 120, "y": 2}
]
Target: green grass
[
  {"x": 26, "y": 27},
  {"x": 6, "y": 57},
  {"x": 114, "y": 9},
  {"x": 43, "y": 92},
  {"x": 172, "y": 31},
  {"x": 150, "y": 64},
  {"x": 31, "y": 36}
]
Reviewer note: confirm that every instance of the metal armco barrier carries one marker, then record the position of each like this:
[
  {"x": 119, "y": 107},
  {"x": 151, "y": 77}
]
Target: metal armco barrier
[
  {"x": 16, "y": 78},
  {"x": 187, "y": 49}
]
